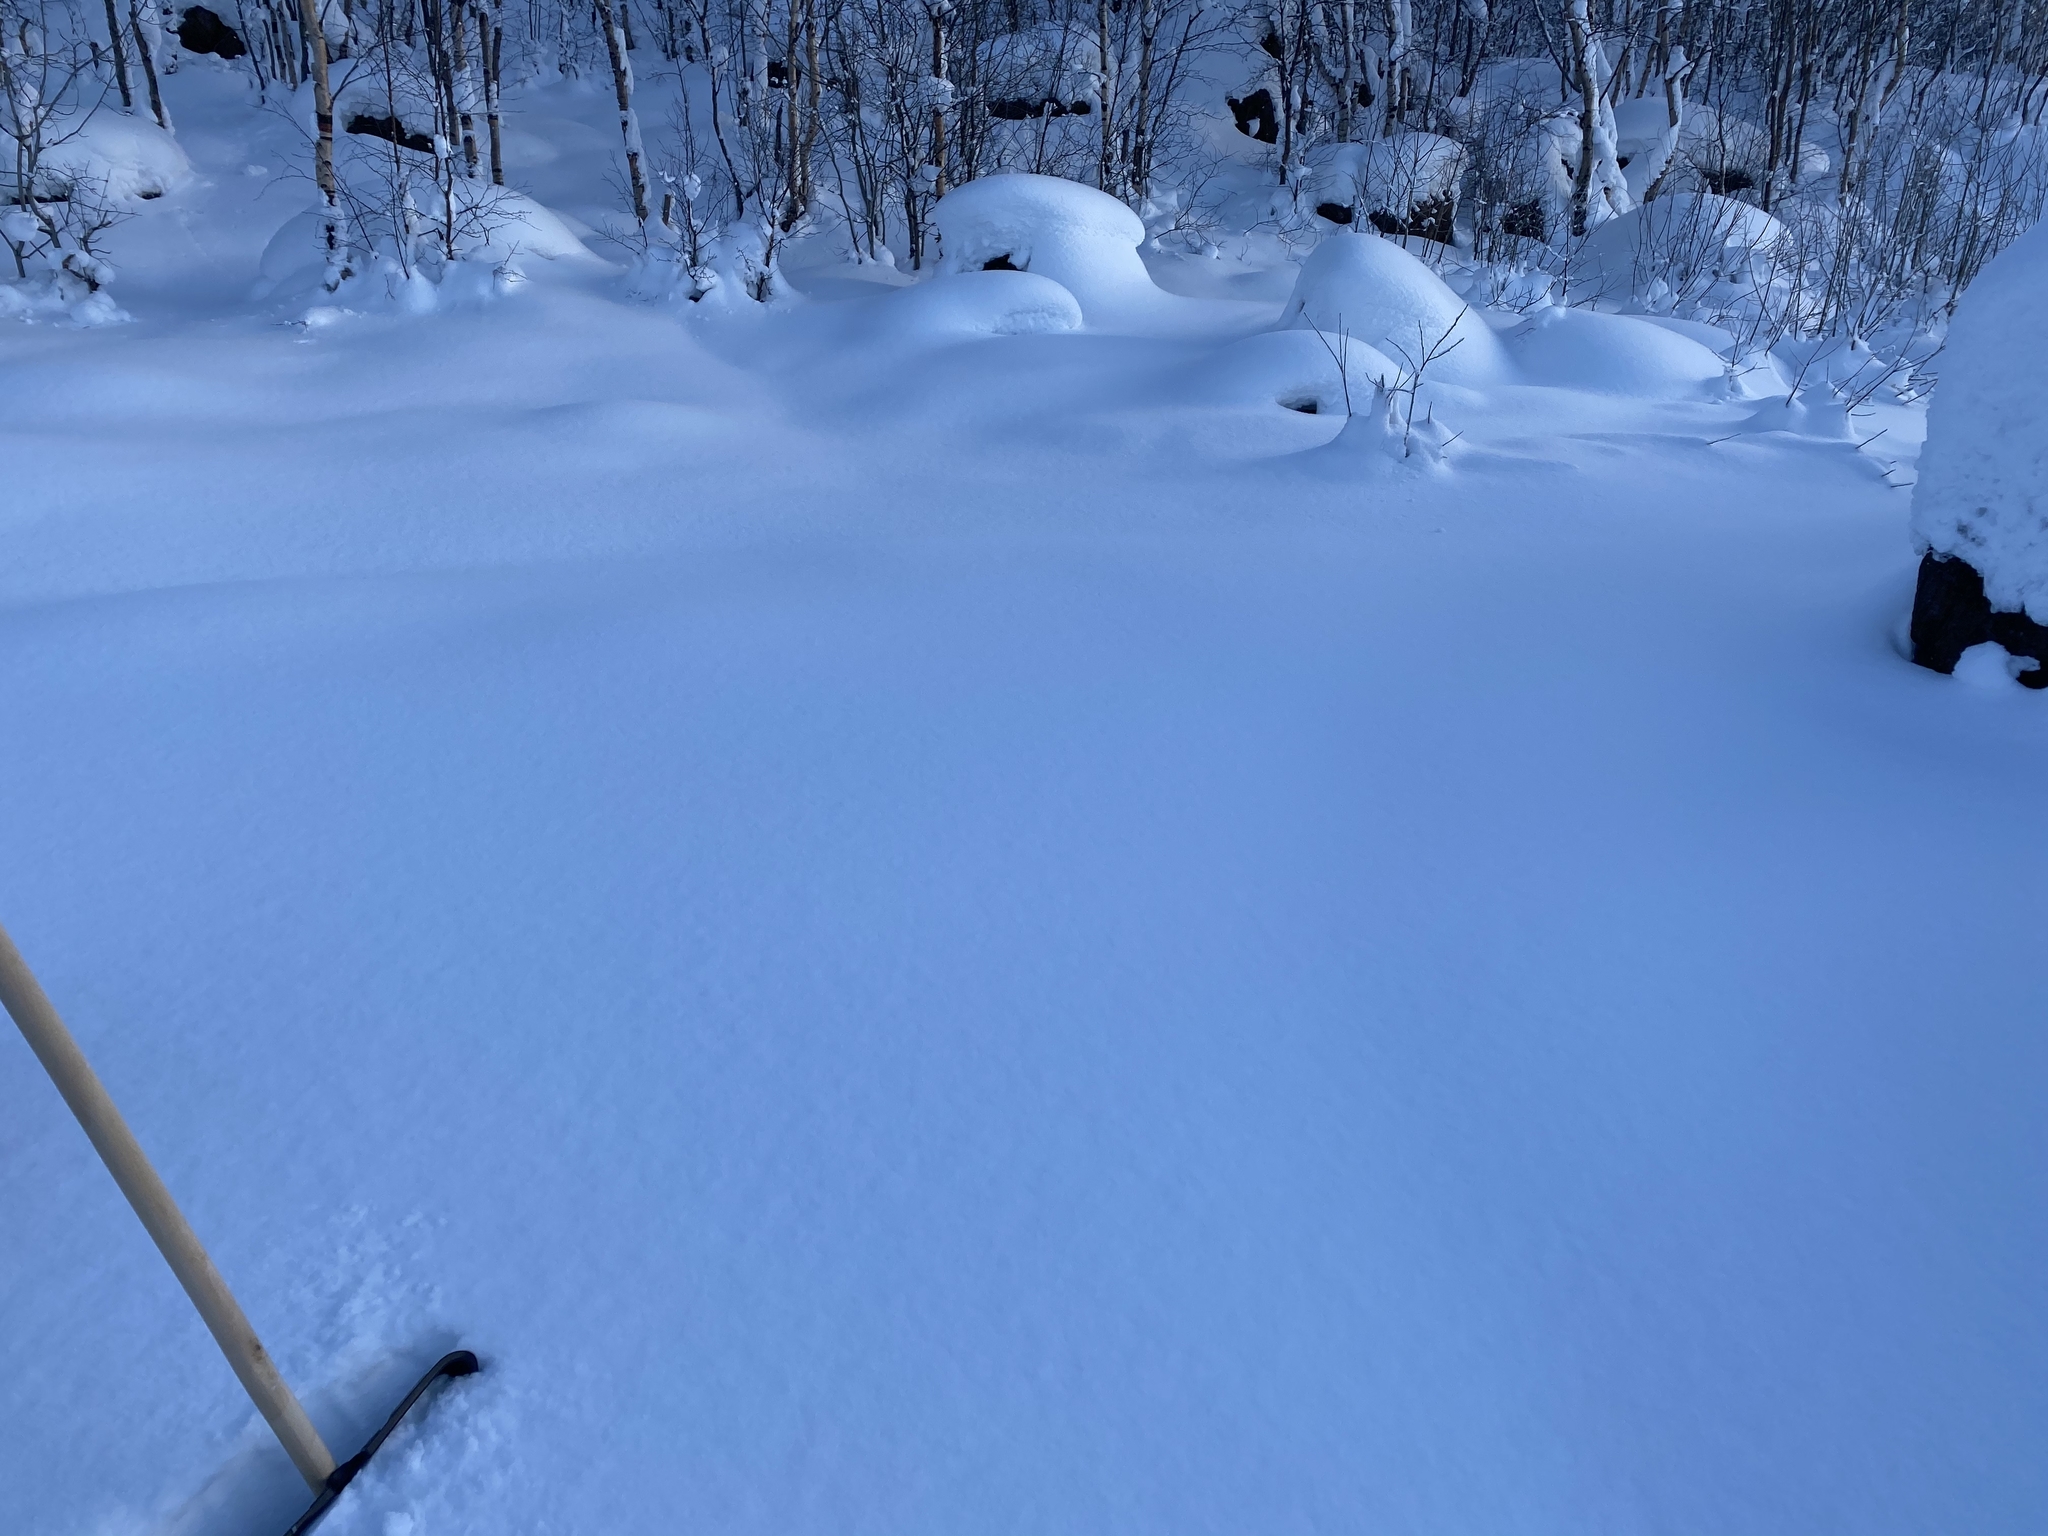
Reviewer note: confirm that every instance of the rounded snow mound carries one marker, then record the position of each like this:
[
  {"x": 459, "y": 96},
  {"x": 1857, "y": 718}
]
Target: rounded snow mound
[
  {"x": 507, "y": 231},
  {"x": 978, "y": 303},
  {"x": 1295, "y": 370},
  {"x": 1983, "y": 489},
  {"x": 514, "y": 225},
  {"x": 1616, "y": 355},
  {"x": 1082, "y": 239},
  {"x": 120, "y": 157},
  {"x": 1688, "y": 242},
  {"x": 1370, "y": 290}
]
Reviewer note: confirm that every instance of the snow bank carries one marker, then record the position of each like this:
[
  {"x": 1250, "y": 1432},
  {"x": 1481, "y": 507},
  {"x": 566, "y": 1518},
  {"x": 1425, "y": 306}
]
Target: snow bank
[
  {"x": 1616, "y": 355},
  {"x": 1983, "y": 490},
  {"x": 1082, "y": 239},
  {"x": 126, "y": 158},
  {"x": 1373, "y": 291}
]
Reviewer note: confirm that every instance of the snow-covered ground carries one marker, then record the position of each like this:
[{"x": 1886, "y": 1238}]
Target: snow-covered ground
[{"x": 916, "y": 931}]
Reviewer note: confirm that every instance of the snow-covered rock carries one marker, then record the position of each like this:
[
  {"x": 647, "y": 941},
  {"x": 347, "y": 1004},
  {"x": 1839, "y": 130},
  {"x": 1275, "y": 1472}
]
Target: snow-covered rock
[
  {"x": 1615, "y": 355},
  {"x": 1082, "y": 239},
  {"x": 124, "y": 158},
  {"x": 1295, "y": 369},
  {"x": 1406, "y": 182},
  {"x": 1687, "y": 242},
  {"x": 507, "y": 236},
  {"x": 1980, "y": 510},
  {"x": 961, "y": 305},
  {"x": 1373, "y": 291},
  {"x": 513, "y": 226}
]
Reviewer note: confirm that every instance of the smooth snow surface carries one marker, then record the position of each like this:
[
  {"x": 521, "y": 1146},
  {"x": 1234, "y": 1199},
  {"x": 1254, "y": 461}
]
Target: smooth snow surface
[
  {"x": 917, "y": 930},
  {"x": 1983, "y": 494}
]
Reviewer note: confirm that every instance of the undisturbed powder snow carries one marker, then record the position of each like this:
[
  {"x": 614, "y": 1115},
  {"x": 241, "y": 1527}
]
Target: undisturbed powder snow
[{"x": 915, "y": 929}]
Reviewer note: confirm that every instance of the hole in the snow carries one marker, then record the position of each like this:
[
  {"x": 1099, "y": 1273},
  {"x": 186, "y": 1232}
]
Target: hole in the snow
[
  {"x": 1306, "y": 407},
  {"x": 1000, "y": 264}
]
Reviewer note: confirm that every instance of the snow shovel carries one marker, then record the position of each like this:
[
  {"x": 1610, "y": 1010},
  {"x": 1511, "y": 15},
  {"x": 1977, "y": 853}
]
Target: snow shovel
[{"x": 75, "y": 1079}]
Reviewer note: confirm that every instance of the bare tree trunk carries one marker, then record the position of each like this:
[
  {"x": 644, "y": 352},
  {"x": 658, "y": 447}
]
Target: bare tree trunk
[
  {"x": 120, "y": 58},
  {"x": 1902, "y": 38},
  {"x": 464, "y": 84},
  {"x": 1105, "y": 106},
  {"x": 145, "y": 45},
  {"x": 938, "y": 15},
  {"x": 323, "y": 144},
  {"x": 622, "y": 85},
  {"x": 1580, "y": 41},
  {"x": 492, "y": 36}
]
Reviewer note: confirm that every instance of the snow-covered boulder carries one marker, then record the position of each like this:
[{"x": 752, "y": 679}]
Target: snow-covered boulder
[
  {"x": 1681, "y": 247},
  {"x": 120, "y": 157},
  {"x": 1616, "y": 355},
  {"x": 1373, "y": 291},
  {"x": 1294, "y": 370},
  {"x": 500, "y": 231},
  {"x": 958, "y": 306},
  {"x": 1082, "y": 239},
  {"x": 511, "y": 226},
  {"x": 1403, "y": 184},
  {"x": 1723, "y": 153},
  {"x": 1980, "y": 510}
]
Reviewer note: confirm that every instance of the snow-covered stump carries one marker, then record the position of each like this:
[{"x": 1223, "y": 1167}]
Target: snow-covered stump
[{"x": 1980, "y": 512}]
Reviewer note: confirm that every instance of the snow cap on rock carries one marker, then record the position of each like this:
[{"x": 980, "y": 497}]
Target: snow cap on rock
[
  {"x": 1690, "y": 241},
  {"x": 1371, "y": 290},
  {"x": 961, "y": 305},
  {"x": 1617, "y": 355},
  {"x": 1084, "y": 240},
  {"x": 1983, "y": 489}
]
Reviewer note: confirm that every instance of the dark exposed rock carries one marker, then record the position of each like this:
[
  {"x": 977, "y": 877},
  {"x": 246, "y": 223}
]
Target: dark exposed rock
[
  {"x": 1726, "y": 181},
  {"x": 1525, "y": 221},
  {"x": 201, "y": 31},
  {"x": 1256, "y": 116},
  {"x": 1951, "y": 614},
  {"x": 1017, "y": 109},
  {"x": 392, "y": 131},
  {"x": 1429, "y": 218}
]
